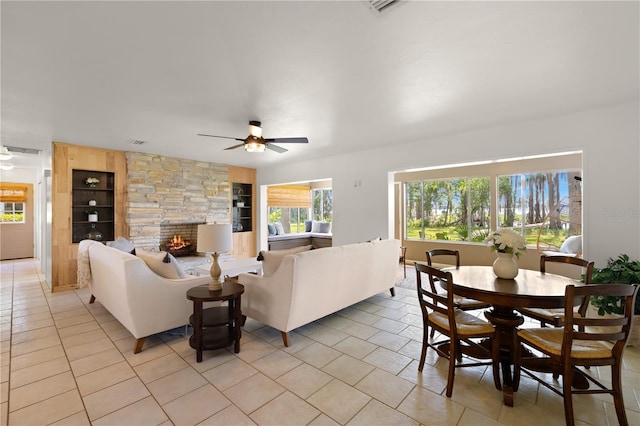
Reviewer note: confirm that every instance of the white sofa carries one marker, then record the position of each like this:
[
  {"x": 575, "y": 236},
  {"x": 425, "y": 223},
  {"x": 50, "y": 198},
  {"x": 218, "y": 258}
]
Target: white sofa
[
  {"x": 144, "y": 302},
  {"x": 312, "y": 284}
]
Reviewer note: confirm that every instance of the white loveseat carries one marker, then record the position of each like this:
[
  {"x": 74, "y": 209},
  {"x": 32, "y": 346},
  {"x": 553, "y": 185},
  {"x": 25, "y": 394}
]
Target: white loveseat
[
  {"x": 144, "y": 302},
  {"x": 312, "y": 284}
]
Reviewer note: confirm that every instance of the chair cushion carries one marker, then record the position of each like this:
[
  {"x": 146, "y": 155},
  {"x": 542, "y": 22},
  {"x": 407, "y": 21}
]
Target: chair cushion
[
  {"x": 549, "y": 315},
  {"x": 553, "y": 316},
  {"x": 550, "y": 341},
  {"x": 466, "y": 324},
  {"x": 466, "y": 304},
  {"x": 271, "y": 260},
  {"x": 572, "y": 245},
  {"x": 157, "y": 263}
]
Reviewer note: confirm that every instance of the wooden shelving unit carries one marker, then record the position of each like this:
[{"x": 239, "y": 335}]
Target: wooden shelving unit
[
  {"x": 243, "y": 218},
  {"x": 70, "y": 204},
  {"x": 102, "y": 194}
]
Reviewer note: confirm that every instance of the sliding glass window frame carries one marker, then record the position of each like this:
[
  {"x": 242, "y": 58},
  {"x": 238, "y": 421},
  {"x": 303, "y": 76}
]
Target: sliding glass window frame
[{"x": 456, "y": 209}]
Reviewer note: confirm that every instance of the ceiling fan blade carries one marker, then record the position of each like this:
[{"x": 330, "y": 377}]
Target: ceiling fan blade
[
  {"x": 235, "y": 146},
  {"x": 223, "y": 137},
  {"x": 276, "y": 148},
  {"x": 288, "y": 140}
]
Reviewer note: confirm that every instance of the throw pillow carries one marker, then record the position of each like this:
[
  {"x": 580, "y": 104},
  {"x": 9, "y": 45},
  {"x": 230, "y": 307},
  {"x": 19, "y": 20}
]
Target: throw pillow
[
  {"x": 325, "y": 227},
  {"x": 157, "y": 263},
  {"x": 271, "y": 260},
  {"x": 315, "y": 226},
  {"x": 279, "y": 228},
  {"x": 307, "y": 225},
  {"x": 272, "y": 229},
  {"x": 122, "y": 244}
]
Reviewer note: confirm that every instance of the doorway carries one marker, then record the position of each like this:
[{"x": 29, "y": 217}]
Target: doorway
[{"x": 16, "y": 225}]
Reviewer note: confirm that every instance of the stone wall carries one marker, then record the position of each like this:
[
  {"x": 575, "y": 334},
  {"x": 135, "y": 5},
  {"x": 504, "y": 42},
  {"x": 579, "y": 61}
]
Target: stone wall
[{"x": 167, "y": 190}]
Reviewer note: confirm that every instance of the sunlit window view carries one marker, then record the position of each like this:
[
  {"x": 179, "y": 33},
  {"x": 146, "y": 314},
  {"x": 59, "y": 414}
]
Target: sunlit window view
[
  {"x": 546, "y": 207},
  {"x": 454, "y": 209},
  {"x": 12, "y": 212},
  {"x": 318, "y": 206},
  {"x": 322, "y": 204},
  {"x": 292, "y": 219}
]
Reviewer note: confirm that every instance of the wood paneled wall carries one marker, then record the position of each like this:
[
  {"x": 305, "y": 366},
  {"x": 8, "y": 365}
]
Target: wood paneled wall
[
  {"x": 66, "y": 158},
  {"x": 244, "y": 243}
]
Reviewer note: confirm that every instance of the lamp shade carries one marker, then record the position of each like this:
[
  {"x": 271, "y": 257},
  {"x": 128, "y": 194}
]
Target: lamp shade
[{"x": 214, "y": 238}]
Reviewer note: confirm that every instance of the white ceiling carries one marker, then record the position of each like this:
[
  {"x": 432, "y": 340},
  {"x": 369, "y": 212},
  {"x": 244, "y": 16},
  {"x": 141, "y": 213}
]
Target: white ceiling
[{"x": 347, "y": 77}]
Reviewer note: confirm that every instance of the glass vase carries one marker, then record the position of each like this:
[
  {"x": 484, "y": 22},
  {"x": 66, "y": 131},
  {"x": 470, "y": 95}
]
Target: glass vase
[{"x": 94, "y": 233}]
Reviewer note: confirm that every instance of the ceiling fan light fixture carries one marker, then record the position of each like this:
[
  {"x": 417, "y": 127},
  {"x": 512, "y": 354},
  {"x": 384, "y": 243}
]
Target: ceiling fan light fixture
[
  {"x": 5, "y": 154},
  {"x": 254, "y": 146},
  {"x": 255, "y": 129}
]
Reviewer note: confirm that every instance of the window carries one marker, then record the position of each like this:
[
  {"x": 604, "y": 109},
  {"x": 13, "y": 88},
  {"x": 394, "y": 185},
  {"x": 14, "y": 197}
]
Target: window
[
  {"x": 322, "y": 204},
  {"x": 289, "y": 205},
  {"x": 12, "y": 202},
  {"x": 539, "y": 196},
  {"x": 452, "y": 209},
  {"x": 292, "y": 219},
  {"x": 12, "y": 212},
  {"x": 542, "y": 205}
]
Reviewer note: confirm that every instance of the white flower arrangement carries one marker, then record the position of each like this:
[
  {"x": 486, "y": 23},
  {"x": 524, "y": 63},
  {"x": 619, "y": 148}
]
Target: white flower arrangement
[
  {"x": 92, "y": 181},
  {"x": 506, "y": 240}
]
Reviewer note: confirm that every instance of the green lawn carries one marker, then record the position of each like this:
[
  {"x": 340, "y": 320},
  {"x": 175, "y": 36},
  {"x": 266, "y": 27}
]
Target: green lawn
[{"x": 554, "y": 238}]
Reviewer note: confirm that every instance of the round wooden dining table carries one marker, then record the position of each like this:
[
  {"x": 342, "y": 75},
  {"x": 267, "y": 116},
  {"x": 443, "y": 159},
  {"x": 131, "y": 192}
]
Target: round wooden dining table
[{"x": 529, "y": 289}]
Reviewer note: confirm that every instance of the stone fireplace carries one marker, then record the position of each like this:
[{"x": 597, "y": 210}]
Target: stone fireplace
[
  {"x": 180, "y": 239},
  {"x": 167, "y": 196}
]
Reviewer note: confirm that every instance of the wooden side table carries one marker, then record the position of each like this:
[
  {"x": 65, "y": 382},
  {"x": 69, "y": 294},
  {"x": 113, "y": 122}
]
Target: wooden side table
[{"x": 217, "y": 327}]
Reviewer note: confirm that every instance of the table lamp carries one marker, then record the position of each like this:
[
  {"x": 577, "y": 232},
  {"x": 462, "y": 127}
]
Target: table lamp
[{"x": 214, "y": 238}]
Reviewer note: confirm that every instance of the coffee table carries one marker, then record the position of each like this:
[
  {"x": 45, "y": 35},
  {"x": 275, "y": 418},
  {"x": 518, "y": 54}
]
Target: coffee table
[{"x": 232, "y": 268}]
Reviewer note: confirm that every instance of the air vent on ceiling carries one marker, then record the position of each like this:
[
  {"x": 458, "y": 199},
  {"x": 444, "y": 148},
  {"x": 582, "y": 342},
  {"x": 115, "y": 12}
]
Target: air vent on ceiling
[
  {"x": 379, "y": 5},
  {"x": 136, "y": 142},
  {"x": 24, "y": 150}
]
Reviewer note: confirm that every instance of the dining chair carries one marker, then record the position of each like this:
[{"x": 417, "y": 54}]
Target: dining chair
[
  {"x": 555, "y": 316},
  {"x": 463, "y": 303},
  {"x": 403, "y": 259},
  {"x": 440, "y": 313},
  {"x": 586, "y": 342}
]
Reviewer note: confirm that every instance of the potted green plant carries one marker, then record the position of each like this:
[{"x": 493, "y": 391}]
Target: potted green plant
[{"x": 619, "y": 271}]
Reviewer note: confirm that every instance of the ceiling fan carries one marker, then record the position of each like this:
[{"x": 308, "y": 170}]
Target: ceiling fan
[{"x": 256, "y": 143}]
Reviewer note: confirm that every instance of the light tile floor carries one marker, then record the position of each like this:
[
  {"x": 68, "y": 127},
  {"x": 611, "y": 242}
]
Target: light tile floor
[{"x": 70, "y": 363}]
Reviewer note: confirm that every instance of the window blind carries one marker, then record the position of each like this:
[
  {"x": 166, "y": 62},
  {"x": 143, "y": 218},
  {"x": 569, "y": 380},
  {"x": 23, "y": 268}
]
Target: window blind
[
  {"x": 13, "y": 193},
  {"x": 289, "y": 196}
]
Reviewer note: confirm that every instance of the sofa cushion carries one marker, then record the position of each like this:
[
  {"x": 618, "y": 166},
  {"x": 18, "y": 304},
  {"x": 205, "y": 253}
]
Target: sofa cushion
[
  {"x": 122, "y": 244},
  {"x": 271, "y": 260},
  {"x": 272, "y": 229},
  {"x": 279, "y": 228},
  {"x": 162, "y": 263}
]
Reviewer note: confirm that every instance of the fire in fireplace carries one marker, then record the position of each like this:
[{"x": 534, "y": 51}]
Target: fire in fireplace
[{"x": 178, "y": 246}]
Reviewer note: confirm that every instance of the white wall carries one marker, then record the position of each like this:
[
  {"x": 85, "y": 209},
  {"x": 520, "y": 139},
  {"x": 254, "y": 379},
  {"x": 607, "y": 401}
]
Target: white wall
[{"x": 609, "y": 138}]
